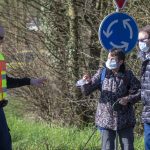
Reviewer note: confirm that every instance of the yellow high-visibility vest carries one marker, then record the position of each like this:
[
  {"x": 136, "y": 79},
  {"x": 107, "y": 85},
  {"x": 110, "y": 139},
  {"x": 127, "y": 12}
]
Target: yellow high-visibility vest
[{"x": 3, "y": 82}]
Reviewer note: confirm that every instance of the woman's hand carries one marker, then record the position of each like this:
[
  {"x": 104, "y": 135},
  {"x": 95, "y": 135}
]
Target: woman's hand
[
  {"x": 124, "y": 101},
  {"x": 87, "y": 78}
]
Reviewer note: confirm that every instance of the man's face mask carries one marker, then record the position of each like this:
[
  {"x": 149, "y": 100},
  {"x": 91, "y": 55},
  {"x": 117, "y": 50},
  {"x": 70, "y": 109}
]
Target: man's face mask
[
  {"x": 143, "y": 46},
  {"x": 112, "y": 64}
]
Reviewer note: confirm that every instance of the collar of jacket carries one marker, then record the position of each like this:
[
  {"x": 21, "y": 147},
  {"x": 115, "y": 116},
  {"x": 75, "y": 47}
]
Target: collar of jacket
[
  {"x": 109, "y": 74},
  {"x": 144, "y": 56}
]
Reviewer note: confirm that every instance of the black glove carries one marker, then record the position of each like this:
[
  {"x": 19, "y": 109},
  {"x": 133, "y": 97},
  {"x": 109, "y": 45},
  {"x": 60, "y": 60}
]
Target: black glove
[{"x": 3, "y": 103}]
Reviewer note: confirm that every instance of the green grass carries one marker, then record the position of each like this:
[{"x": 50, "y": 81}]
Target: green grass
[
  {"x": 30, "y": 135},
  {"x": 37, "y": 136}
]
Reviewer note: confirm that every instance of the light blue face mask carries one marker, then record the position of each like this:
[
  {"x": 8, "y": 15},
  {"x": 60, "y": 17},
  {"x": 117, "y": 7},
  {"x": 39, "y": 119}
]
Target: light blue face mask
[
  {"x": 111, "y": 64},
  {"x": 143, "y": 46}
]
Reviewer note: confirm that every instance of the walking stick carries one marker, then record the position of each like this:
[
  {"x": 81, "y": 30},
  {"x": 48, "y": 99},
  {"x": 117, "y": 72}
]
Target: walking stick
[
  {"x": 89, "y": 138},
  {"x": 116, "y": 142}
]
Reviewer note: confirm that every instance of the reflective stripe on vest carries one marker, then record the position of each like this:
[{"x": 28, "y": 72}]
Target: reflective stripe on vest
[{"x": 3, "y": 82}]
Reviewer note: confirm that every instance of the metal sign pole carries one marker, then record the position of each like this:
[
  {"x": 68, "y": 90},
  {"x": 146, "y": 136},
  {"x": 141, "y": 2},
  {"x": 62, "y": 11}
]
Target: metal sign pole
[{"x": 117, "y": 9}]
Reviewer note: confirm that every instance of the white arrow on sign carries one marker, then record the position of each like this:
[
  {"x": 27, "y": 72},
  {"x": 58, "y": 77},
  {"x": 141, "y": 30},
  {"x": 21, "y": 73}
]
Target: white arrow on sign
[
  {"x": 108, "y": 33},
  {"x": 124, "y": 45},
  {"x": 126, "y": 24}
]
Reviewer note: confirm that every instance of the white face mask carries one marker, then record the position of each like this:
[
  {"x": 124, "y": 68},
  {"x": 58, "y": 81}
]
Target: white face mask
[
  {"x": 143, "y": 46},
  {"x": 111, "y": 64}
]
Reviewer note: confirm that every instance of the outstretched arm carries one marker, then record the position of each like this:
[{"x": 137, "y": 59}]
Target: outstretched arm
[
  {"x": 94, "y": 84},
  {"x": 18, "y": 82}
]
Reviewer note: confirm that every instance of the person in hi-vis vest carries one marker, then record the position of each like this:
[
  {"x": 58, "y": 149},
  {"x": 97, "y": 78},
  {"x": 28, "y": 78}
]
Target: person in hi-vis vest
[
  {"x": 3, "y": 82},
  {"x": 7, "y": 82}
]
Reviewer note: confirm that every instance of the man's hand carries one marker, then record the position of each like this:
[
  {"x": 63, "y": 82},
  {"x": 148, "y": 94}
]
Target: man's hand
[
  {"x": 37, "y": 82},
  {"x": 124, "y": 101}
]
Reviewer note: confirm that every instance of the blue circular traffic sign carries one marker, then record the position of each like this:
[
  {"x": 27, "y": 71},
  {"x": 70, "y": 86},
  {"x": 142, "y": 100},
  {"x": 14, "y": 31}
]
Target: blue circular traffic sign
[{"x": 118, "y": 30}]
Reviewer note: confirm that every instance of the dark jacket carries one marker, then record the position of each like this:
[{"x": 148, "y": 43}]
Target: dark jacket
[
  {"x": 145, "y": 87},
  {"x": 114, "y": 87},
  {"x": 16, "y": 82},
  {"x": 5, "y": 138}
]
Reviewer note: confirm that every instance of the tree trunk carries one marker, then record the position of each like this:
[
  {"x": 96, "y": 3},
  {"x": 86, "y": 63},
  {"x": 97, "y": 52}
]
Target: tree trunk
[{"x": 73, "y": 40}]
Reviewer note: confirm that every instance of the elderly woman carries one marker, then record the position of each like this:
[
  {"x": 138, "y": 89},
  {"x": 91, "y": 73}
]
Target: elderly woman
[{"x": 120, "y": 89}]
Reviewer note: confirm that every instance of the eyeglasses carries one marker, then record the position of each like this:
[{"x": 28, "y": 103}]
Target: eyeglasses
[{"x": 144, "y": 40}]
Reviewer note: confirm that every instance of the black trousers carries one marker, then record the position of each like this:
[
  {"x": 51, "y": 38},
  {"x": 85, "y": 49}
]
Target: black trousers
[{"x": 5, "y": 138}]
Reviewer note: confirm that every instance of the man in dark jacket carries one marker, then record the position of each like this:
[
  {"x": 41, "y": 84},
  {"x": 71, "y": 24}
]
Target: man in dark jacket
[
  {"x": 5, "y": 138},
  {"x": 144, "y": 54}
]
